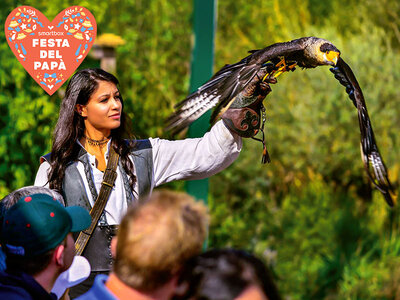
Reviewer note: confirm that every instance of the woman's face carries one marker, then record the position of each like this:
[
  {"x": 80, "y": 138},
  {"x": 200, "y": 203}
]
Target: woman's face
[{"x": 103, "y": 110}]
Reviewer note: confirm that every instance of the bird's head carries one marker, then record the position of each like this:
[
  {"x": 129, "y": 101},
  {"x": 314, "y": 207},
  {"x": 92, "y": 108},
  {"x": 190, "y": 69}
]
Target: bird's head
[{"x": 321, "y": 52}]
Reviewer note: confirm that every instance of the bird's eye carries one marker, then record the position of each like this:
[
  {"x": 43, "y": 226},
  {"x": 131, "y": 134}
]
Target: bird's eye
[{"x": 327, "y": 52}]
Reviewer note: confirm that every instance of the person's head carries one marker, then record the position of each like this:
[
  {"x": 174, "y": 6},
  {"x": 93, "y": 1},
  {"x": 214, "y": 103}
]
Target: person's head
[
  {"x": 157, "y": 237},
  {"x": 225, "y": 274},
  {"x": 91, "y": 94},
  {"x": 14, "y": 196},
  {"x": 92, "y": 102},
  {"x": 36, "y": 234}
]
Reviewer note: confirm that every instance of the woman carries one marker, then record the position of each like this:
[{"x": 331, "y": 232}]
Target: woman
[{"x": 91, "y": 121}]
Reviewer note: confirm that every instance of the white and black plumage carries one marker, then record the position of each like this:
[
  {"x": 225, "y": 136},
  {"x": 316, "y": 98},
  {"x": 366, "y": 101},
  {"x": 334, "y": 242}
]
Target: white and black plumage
[
  {"x": 267, "y": 64},
  {"x": 228, "y": 82},
  {"x": 372, "y": 159}
]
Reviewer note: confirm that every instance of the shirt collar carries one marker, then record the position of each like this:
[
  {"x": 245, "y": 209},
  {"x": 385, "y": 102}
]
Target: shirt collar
[{"x": 90, "y": 155}]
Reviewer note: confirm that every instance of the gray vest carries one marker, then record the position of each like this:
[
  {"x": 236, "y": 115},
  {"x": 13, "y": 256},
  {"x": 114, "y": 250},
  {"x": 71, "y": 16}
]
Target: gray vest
[
  {"x": 74, "y": 189},
  {"x": 98, "y": 249}
]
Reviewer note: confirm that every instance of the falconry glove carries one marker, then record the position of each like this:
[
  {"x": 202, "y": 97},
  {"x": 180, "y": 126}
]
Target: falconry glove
[{"x": 246, "y": 115}]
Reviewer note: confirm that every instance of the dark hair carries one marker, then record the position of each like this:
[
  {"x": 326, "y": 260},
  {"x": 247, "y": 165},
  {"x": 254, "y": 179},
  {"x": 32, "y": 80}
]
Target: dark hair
[
  {"x": 70, "y": 126},
  {"x": 223, "y": 274},
  {"x": 29, "y": 265}
]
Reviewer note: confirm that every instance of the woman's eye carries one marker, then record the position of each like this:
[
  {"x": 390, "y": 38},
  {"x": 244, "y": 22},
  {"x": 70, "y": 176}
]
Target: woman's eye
[{"x": 104, "y": 100}]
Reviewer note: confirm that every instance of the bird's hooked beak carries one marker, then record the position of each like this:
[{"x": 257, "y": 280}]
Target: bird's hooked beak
[{"x": 331, "y": 57}]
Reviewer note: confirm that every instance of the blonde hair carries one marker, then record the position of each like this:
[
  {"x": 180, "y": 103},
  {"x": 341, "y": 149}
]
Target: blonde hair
[{"x": 157, "y": 237}]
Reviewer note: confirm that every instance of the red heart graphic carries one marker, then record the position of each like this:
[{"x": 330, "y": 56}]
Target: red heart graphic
[{"x": 50, "y": 52}]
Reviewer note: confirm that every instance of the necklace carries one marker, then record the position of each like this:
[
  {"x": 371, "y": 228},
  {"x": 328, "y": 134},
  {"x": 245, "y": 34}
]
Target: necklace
[{"x": 93, "y": 142}]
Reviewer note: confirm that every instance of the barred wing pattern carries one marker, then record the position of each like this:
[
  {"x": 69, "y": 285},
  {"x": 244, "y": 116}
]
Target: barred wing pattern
[
  {"x": 372, "y": 159},
  {"x": 226, "y": 84},
  {"x": 217, "y": 90}
]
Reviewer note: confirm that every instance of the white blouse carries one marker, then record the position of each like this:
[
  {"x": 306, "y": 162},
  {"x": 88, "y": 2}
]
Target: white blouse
[{"x": 188, "y": 159}]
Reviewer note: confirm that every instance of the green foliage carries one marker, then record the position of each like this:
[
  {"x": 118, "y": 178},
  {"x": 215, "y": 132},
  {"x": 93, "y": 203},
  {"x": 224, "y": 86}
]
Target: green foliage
[
  {"x": 311, "y": 214},
  {"x": 153, "y": 73}
]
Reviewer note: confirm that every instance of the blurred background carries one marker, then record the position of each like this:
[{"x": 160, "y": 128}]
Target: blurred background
[{"x": 311, "y": 214}]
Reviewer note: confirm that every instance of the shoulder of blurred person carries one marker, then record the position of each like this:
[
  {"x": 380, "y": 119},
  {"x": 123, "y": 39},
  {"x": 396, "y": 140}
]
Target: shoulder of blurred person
[
  {"x": 15, "y": 286},
  {"x": 225, "y": 274},
  {"x": 98, "y": 290}
]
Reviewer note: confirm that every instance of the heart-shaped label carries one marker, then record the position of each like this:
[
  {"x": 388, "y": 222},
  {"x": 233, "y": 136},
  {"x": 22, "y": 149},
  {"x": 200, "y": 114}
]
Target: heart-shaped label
[{"x": 50, "y": 52}]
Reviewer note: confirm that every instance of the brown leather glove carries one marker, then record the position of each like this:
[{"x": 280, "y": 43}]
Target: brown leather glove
[{"x": 244, "y": 115}]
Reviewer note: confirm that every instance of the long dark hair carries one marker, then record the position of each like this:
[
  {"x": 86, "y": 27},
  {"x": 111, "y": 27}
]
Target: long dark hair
[{"x": 70, "y": 127}]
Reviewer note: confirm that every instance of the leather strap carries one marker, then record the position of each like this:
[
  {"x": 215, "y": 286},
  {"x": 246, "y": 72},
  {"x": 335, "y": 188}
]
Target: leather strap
[{"x": 109, "y": 177}]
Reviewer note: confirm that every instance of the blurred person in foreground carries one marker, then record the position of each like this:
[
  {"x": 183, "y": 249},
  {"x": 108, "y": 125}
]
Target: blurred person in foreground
[
  {"x": 80, "y": 268},
  {"x": 225, "y": 274},
  {"x": 153, "y": 241},
  {"x": 36, "y": 236}
]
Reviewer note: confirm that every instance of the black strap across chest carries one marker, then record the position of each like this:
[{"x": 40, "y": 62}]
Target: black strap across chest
[
  {"x": 74, "y": 190},
  {"x": 107, "y": 185}
]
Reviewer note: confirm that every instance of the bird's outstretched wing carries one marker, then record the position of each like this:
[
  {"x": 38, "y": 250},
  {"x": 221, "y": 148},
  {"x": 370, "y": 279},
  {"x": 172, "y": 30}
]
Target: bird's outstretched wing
[
  {"x": 372, "y": 159},
  {"x": 227, "y": 83}
]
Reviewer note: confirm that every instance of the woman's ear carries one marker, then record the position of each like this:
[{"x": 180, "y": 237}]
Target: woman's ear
[{"x": 81, "y": 110}]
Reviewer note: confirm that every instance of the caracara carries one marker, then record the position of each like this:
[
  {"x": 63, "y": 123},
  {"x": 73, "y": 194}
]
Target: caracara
[{"x": 263, "y": 66}]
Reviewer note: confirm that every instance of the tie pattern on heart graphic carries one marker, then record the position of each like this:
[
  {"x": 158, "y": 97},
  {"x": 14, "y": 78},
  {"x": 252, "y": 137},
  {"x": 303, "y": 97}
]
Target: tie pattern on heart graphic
[{"x": 50, "y": 52}]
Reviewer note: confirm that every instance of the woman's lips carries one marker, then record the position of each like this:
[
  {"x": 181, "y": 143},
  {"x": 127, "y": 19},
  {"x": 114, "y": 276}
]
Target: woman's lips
[{"x": 116, "y": 116}]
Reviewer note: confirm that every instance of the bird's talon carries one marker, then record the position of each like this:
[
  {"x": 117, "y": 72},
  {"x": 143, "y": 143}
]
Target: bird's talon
[
  {"x": 282, "y": 62},
  {"x": 271, "y": 80}
]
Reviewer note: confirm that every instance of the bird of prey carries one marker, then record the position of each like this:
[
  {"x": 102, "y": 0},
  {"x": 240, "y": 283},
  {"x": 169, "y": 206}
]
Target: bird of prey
[{"x": 236, "y": 82}]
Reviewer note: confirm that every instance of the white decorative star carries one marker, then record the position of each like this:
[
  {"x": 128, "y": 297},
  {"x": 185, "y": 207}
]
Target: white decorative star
[
  {"x": 23, "y": 26},
  {"x": 77, "y": 26}
]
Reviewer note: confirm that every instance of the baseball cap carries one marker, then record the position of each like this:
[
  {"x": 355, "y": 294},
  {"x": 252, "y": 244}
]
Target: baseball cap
[{"x": 38, "y": 223}]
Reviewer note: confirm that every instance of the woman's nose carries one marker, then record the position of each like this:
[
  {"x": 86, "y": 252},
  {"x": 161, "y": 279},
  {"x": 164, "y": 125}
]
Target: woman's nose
[{"x": 116, "y": 104}]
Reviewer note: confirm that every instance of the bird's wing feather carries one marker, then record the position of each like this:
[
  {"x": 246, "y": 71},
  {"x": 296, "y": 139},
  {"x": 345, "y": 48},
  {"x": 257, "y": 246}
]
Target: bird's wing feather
[
  {"x": 226, "y": 84},
  {"x": 369, "y": 149}
]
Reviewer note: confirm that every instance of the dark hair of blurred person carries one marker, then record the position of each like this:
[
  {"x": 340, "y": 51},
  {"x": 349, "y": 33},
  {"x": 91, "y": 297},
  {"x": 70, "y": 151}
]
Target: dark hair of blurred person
[{"x": 225, "y": 274}]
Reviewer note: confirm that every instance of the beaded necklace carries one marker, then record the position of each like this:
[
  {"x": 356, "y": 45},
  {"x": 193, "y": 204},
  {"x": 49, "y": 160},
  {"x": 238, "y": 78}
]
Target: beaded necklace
[{"x": 93, "y": 142}]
